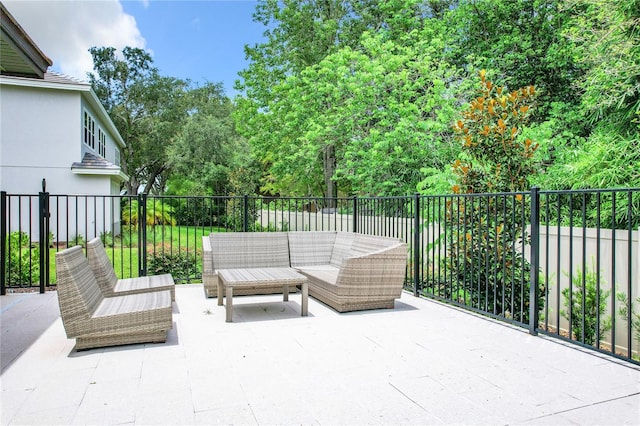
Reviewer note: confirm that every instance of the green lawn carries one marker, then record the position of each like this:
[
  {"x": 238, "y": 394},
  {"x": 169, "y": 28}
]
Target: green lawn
[{"x": 160, "y": 240}]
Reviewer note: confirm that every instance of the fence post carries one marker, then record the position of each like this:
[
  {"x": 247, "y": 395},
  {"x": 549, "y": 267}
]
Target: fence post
[
  {"x": 416, "y": 243},
  {"x": 535, "y": 261},
  {"x": 3, "y": 242},
  {"x": 245, "y": 216},
  {"x": 142, "y": 235},
  {"x": 355, "y": 213},
  {"x": 43, "y": 198}
]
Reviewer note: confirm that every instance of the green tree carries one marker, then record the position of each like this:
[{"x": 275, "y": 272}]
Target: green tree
[
  {"x": 522, "y": 42},
  {"x": 365, "y": 120},
  {"x": 207, "y": 147},
  {"x": 301, "y": 34},
  {"x": 145, "y": 107},
  {"x": 608, "y": 45}
]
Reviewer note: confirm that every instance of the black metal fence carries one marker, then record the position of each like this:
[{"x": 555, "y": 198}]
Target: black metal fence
[{"x": 479, "y": 251}]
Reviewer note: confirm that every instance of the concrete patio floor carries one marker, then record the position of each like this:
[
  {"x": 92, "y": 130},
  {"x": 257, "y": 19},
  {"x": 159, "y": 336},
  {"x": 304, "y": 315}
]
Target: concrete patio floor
[{"x": 420, "y": 363}]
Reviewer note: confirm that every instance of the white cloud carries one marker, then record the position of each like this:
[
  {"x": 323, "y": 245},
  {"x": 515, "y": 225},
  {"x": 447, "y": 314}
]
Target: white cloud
[{"x": 65, "y": 30}]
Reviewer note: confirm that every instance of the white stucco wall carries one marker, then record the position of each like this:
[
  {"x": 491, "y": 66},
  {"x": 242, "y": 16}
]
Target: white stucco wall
[{"x": 39, "y": 134}]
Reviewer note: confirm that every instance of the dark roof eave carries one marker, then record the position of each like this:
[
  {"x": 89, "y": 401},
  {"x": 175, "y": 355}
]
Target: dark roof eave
[{"x": 14, "y": 34}]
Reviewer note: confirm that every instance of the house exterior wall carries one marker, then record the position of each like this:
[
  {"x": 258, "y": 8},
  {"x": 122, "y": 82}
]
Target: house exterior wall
[
  {"x": 41, "y": 135},
  {"x": 39, "y": 138}
]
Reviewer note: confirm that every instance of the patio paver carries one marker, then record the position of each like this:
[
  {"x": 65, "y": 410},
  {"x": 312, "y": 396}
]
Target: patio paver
[{"x": 421, "y": 363}]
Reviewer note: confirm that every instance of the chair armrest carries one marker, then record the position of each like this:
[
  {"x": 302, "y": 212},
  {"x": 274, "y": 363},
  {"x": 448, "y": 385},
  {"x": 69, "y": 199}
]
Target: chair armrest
[
  {"x": 207, "y": 256},
  {"x": 380, "y": 272}
]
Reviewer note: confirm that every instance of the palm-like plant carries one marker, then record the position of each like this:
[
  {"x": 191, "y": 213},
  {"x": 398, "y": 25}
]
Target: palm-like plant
[{"x": 157, "y": 213}]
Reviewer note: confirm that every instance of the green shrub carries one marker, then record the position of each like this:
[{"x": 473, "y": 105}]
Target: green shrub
[
  {"x": 22, "y": 260},
  {"x": 623, "y": 311},
  {"x": 584, "y": 323},
  {"x": 106, "y": 238},
  {"x": 77, "y": 240},
  {"x": 181, "y": 265}
]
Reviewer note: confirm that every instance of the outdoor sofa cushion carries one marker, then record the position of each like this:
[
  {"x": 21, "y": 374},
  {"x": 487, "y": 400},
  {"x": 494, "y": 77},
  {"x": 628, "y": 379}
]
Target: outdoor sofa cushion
[
  {"x": 231, "y": 250},
  {"x": 109, "y": 283}
]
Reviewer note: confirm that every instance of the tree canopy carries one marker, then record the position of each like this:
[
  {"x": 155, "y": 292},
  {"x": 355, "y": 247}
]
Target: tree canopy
[
  {"x": 363, "y": 97},
  {"x": 179, "y": 137},
  {"x": 367, "y": 100}
]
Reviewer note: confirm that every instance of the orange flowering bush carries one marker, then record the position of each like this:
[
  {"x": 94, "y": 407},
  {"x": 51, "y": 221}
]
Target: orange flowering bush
[
  {"x": 487, "y": 232},
  {"x": 490, "y": 132}
]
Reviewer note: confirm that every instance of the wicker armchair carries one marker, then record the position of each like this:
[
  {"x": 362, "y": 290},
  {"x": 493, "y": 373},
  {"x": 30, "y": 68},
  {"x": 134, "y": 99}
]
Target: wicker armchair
[
  {"x": 109, "y": 283},
  {"x": 98, "y": 321}
]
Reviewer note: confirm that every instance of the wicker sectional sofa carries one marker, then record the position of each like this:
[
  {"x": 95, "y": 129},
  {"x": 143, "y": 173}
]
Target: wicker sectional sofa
[{"x": 345, "y": 270}]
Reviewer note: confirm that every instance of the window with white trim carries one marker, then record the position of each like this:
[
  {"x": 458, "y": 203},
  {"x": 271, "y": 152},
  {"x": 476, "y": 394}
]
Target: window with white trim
[
  {"x": 102, "y": 143},
  {"x": 89, "y": 130},
  {"x": 117, "y": 157}
]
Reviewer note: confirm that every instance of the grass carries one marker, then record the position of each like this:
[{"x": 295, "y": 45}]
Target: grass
[{"x": 160, "y": 239}]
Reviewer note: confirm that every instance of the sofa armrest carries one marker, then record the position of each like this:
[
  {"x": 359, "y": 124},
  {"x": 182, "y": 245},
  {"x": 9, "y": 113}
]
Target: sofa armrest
[
  {"x": 379, "y": 273},
  {"x": 209, "y": 276},
  {"x": 207, "y": 255}
]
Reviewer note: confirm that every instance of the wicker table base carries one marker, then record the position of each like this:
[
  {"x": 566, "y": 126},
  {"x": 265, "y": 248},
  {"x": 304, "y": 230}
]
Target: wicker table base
[{"x": 259, "y": 277}]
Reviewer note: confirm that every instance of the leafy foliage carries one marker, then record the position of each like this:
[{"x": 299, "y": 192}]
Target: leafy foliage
[
  {"x": 144, "y": 106},
  {"x": 157, "y": 213},
  {"x": 522, "y": 41},
  {"x": 207, "y": 146},
  {"x": 375, "y": 115},
  {"x": 171, "y": 128},
  {"x": 485, "y": 231},
  {"x": 627, "y": 310},
  {"x": 607, "y": 41},
  {"x": 180, "y": 264},
  {"x": 355, "y": 97},
  {"x": 22, "y": 260},
  {"x": 585, "y": 305},
  {"x": 490, "y": 130}
]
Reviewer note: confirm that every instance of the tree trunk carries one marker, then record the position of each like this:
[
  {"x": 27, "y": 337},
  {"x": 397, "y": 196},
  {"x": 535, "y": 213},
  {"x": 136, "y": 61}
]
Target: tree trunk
[
  {"x": 151, "y": 180},
  {"x": 329, "y": 168}
]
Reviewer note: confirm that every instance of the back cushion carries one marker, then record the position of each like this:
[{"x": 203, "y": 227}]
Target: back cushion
[
  {"x": 77, "y": 286},
  {"x": 311, "y": 248},
  {"x": 101, "y": 266},
  {"x": 363, "y": 244},
  {"x": 341, "y": 248},
  {"x": 249, "y": 250}
]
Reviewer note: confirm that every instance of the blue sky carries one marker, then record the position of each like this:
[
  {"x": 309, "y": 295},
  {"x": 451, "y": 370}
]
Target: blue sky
[{"x": 199, "y": 40}]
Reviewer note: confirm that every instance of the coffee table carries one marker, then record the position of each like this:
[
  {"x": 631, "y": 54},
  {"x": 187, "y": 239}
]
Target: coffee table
[{"x": 260, "y": 277}]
